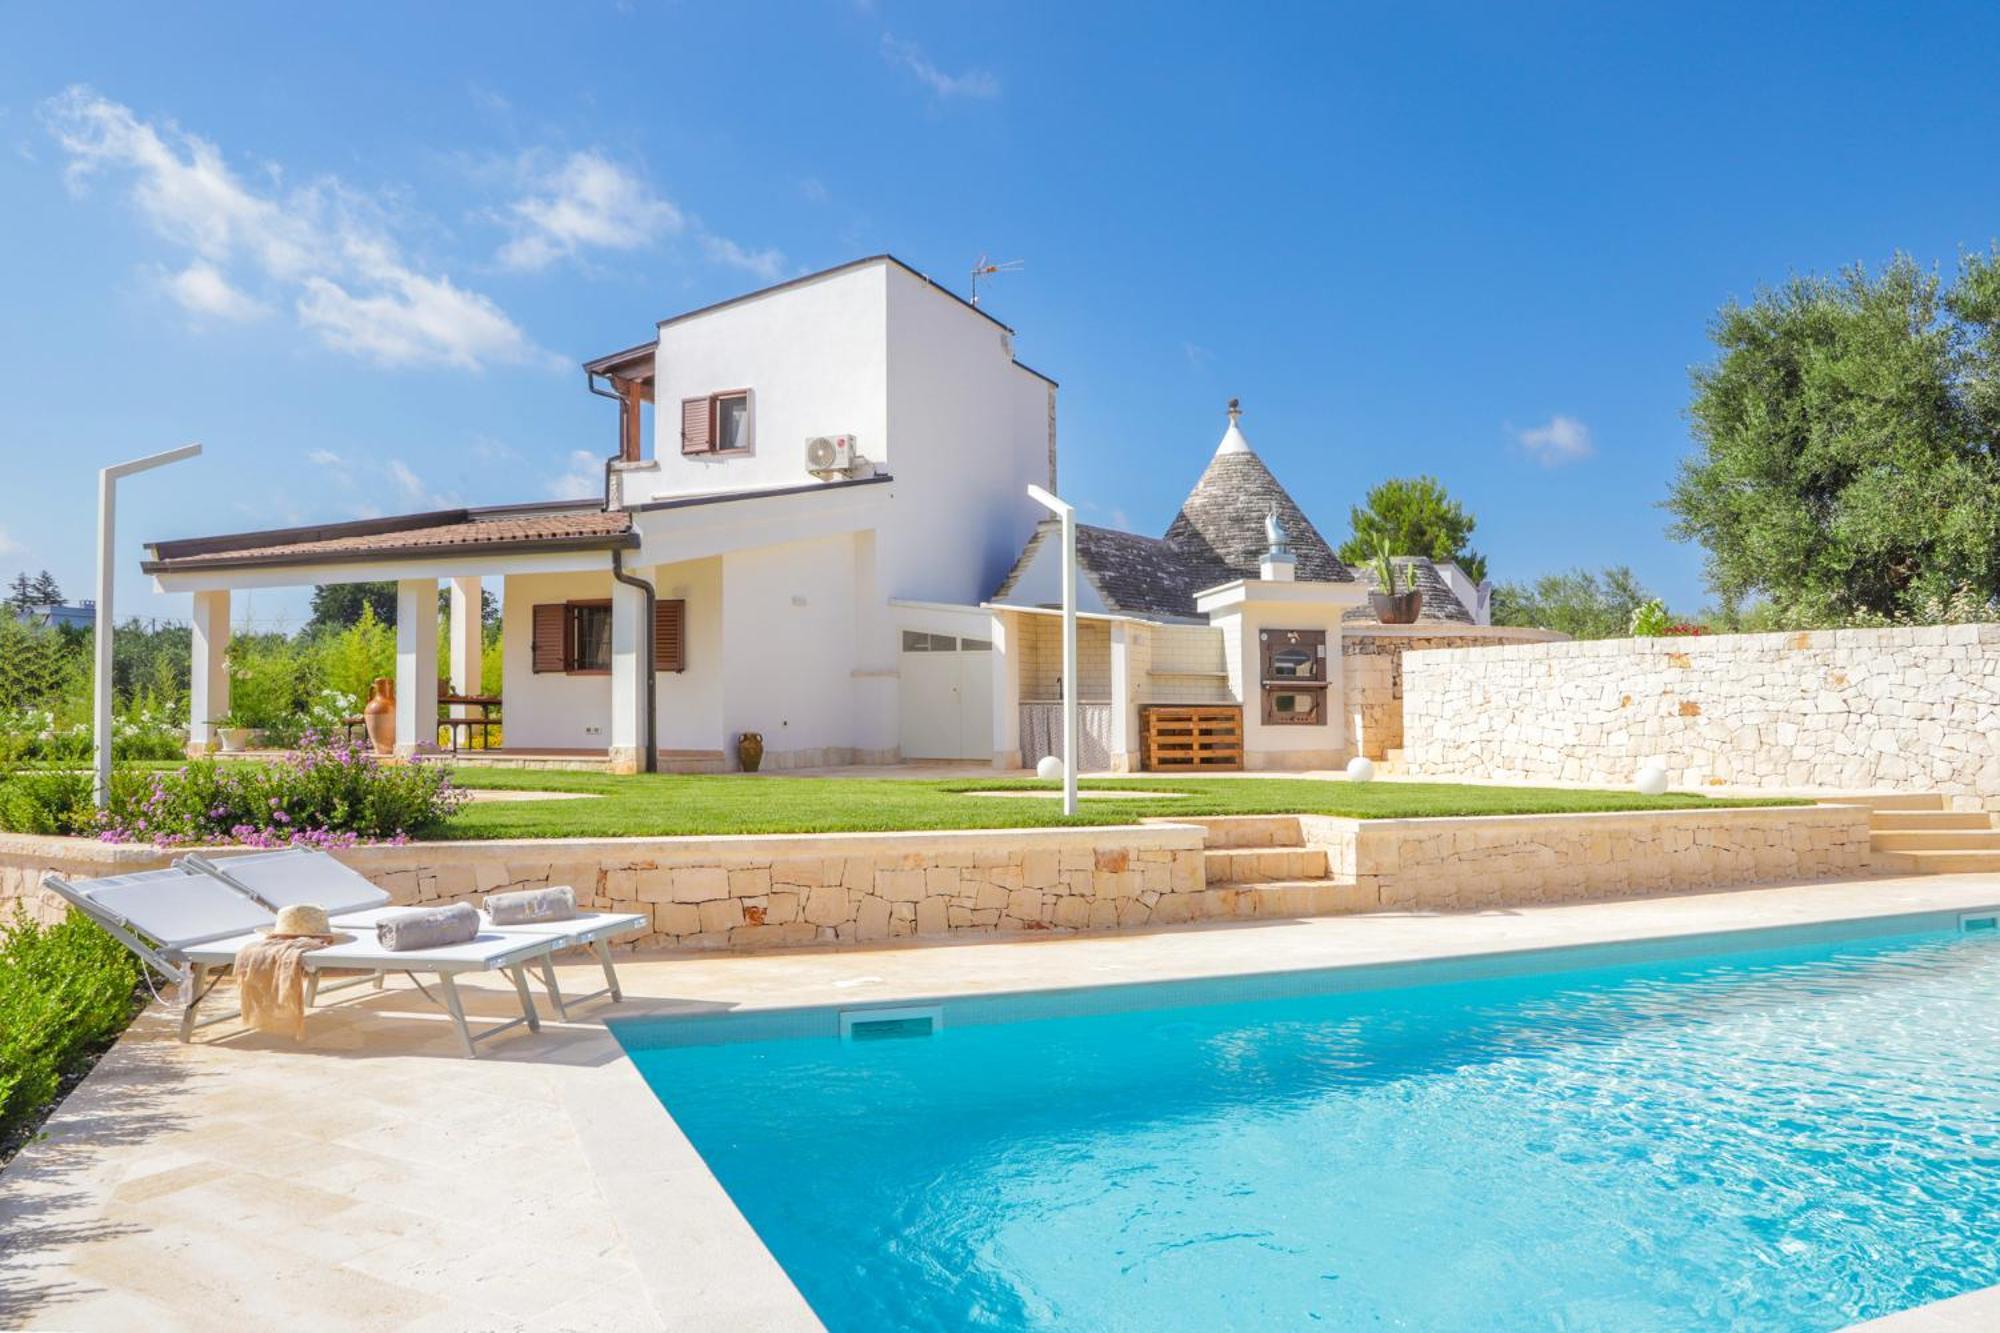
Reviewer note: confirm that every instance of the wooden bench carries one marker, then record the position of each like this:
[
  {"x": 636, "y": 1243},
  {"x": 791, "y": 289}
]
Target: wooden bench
[{"x": 1190, "y": 738}]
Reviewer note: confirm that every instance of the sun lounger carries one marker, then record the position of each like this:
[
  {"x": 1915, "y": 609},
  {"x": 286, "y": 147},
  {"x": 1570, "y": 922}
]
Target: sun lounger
[
  {"x": 284, "y": 878},
  {"x": 188, "y": 925}
]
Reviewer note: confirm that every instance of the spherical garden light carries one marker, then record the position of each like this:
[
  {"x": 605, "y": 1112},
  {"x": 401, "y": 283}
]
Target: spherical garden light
[
  {"x": 1050, "y": 768},
  {"x": 1361, "y": 769},
  {"x": 1651, "y": 780}
]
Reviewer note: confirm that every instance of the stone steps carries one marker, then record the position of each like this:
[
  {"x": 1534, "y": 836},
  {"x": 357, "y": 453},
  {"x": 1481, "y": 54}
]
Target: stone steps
[
  {"x": 1916, "y": 833},
  {"x": 1896, "y": 821},
  {"x": 1940, "y": 863},
  {"x": 1263, "y": 865},
  {"x": 1897, "y": 800},
  {"x": 1299, "y": 897},
  {"x": 1935, "y": 840}
]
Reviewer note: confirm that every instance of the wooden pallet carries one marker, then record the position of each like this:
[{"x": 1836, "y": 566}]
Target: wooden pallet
[{"x": 1186, "y": 738}]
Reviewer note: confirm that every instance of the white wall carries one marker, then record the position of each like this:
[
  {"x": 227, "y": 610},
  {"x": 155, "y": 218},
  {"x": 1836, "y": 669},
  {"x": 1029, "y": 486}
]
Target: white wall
[
  {"x": 789, "y": 646},
  {"x": 550, "y": 710},
  {"x": 815, "y": 360},
  {"x": 690, "y": 702},
  {"x": 970, "y": 432}
]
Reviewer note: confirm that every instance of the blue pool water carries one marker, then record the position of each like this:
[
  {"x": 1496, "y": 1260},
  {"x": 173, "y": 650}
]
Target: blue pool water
[{"x": 1792, "y": 1139}]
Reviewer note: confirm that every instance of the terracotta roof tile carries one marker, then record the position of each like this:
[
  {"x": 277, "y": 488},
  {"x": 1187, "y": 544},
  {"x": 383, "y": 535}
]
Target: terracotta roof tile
[{"x": 466, "y": 530}]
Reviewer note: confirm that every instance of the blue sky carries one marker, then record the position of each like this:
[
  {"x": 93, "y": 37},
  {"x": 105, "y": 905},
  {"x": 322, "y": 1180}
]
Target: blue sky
[{"x": 357, "y": 251}]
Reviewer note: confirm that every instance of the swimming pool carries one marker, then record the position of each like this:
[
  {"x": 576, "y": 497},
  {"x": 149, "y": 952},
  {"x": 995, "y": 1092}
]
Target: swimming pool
[{"x": 1787, "y": 1131}]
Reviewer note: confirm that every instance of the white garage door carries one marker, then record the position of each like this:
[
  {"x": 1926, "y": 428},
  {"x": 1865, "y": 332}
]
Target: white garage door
[{"x": 946, "y": 683}]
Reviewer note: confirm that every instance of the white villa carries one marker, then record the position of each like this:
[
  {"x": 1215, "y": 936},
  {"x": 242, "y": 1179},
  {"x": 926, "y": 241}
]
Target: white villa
[{"x": 826, "y": 538}]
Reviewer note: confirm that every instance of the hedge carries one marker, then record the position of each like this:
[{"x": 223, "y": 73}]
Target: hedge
[{"x": 65, "y": 992}]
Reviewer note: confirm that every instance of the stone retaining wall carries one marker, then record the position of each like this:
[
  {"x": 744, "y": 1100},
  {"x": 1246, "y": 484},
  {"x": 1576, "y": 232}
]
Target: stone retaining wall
[
  {"x": 1520, "y": 860},
  {"x": 1894, "y": 709},
  {"x": 762, "y": 892},
  {"x": 769, "y": 892}
]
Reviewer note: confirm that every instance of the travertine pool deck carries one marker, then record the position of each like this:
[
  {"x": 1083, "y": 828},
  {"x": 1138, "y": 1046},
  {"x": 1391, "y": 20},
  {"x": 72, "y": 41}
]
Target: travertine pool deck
[{"x": 373, "y": 1179}]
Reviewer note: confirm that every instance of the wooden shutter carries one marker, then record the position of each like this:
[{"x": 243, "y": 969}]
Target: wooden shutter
[
  {"x": 670, "y": 635},
  {"x": 696, "y": 436},
  {"x": 550, "y": 647}
]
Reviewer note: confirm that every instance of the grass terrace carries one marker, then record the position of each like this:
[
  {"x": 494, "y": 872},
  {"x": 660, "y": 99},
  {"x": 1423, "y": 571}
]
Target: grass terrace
[{"x": 660, "y": 805}]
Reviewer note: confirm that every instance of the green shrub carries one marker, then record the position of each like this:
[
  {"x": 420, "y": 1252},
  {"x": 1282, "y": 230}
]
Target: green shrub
[
  {"x": 57, "y": 801},
  {"x": 326, "y": 793},
  {"x": 65, "y": 992}
]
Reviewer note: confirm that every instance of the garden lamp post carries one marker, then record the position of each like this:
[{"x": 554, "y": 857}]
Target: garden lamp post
[
  {"x": 1067, "y": 513},
  {"x": 107, "y": 541}
]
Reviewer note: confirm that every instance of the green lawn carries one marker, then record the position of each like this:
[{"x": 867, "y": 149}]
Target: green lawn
[{"x": 665, "y": 804}]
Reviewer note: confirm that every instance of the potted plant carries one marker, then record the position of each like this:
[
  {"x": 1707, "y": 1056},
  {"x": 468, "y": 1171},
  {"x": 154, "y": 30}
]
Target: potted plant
[
  {"x": 236, "y": 732},
  {"x": 1392, "y": 607}
]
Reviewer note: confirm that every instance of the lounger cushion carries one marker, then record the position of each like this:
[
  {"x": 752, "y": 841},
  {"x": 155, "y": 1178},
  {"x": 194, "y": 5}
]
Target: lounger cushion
[
  {"x": 427, "y": 927},
  {"x": 525, "y": 906}
]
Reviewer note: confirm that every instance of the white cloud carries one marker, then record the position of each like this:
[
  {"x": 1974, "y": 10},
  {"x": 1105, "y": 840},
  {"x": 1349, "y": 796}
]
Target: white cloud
[
  {"x": 324, "y": 458},
  {"x": 202, "y": 290},
  {"x": 766, "y": 264},
  {"x": 322, "y": 244},
  {"x": 583, "y": 480},
  {"x": 976, "y": 83},
  {"x": 1562, "y": 440},
  {"x": 414, "y": 490},
  {"x": 813, "y": 189},
  {"x": 8, "y": 546},
  {"x": 585, "y": 201}
]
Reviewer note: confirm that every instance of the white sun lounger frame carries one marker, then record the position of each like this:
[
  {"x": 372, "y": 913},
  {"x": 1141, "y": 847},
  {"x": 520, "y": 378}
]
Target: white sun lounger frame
[
  {"x": 327, "y": 881},
  {"x": 218, "y": 919}
]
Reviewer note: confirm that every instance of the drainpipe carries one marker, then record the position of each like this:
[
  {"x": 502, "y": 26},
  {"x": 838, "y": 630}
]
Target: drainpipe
[{"x": 649, "y": 683}]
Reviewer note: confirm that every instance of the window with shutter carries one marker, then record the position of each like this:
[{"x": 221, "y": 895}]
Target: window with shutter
[
  {"x": 695, "y": 433},
  {"x": 670, "y": 635},
  {"x": 549, "y": 649}
]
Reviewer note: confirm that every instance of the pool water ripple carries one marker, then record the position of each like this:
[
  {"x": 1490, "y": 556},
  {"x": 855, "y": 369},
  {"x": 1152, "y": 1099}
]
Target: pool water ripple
[{"x": 1793, "y": 1139}]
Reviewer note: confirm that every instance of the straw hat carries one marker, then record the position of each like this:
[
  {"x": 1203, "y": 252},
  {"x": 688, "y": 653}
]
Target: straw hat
[{"x": 298, "y": 920}]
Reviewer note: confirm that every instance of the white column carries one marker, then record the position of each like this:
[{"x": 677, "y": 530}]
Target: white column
[
  {"x": 208, "y": 691},
  {"x": 416, "y": 666},
  {"x": 1130, "y": 657},
  {"x": 467, "y": 639},
  {"x": 628, "y": 615},
  {"x": 1006, "y": 635}
]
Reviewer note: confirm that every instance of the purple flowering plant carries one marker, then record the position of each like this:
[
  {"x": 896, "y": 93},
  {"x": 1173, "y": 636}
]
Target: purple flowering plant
[{"x": 328, "y": 792}]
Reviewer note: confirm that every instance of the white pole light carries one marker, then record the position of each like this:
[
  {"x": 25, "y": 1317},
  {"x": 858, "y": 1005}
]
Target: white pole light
[
  {"x": 1067, "y": 513},
  {"x": 107, "y": 560}
]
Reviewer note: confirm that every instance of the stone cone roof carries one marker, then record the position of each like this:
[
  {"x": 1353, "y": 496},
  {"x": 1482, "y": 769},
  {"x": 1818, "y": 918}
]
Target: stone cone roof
[{"x": 1220, "y": 529}]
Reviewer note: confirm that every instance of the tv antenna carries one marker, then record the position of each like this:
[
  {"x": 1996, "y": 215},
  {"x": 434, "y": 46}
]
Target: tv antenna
[{"x": 983, "y": 269}]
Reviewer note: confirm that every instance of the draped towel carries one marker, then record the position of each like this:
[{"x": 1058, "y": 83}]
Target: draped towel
[{"x": 271, "y": 982}]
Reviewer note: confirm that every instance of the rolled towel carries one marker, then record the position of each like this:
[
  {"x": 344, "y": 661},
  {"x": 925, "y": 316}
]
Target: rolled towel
[
  {"x": 527, "y": 906},
  {"x": 427, "y": 927}
]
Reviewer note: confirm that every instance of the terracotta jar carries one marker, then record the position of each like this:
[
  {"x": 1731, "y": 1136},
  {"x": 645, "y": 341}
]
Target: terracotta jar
[
  {"x": 750, "y": 750},
  {"x": 380, "y": 715}
]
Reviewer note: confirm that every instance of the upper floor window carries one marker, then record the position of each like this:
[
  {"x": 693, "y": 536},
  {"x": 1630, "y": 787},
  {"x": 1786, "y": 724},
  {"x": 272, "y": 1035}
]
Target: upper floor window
[{"x": 717, "y": 424}]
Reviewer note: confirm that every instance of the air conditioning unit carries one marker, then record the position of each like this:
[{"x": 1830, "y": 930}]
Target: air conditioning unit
[{"x": 830, "y": 453}]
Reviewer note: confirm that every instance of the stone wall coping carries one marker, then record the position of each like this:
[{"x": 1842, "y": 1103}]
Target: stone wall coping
[
  {"x": 1831, "y": 812},
  {"x": 1706, "y": 645},
  {"x": 1453, "y": 630},
  {"x": 1165, "y": 834}
]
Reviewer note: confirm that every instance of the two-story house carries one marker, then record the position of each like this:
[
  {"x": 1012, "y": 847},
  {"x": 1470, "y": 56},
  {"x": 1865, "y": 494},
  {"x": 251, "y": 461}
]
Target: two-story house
[{"x": 805, "y": 478}]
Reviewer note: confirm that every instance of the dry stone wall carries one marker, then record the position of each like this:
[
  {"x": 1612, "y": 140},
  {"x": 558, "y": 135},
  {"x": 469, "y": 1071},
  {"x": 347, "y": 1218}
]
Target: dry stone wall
[
  {"x": 765, "y": 892},
  {"x": 1888, "y": 709},
  {"x": 1372, "y": 676}
]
